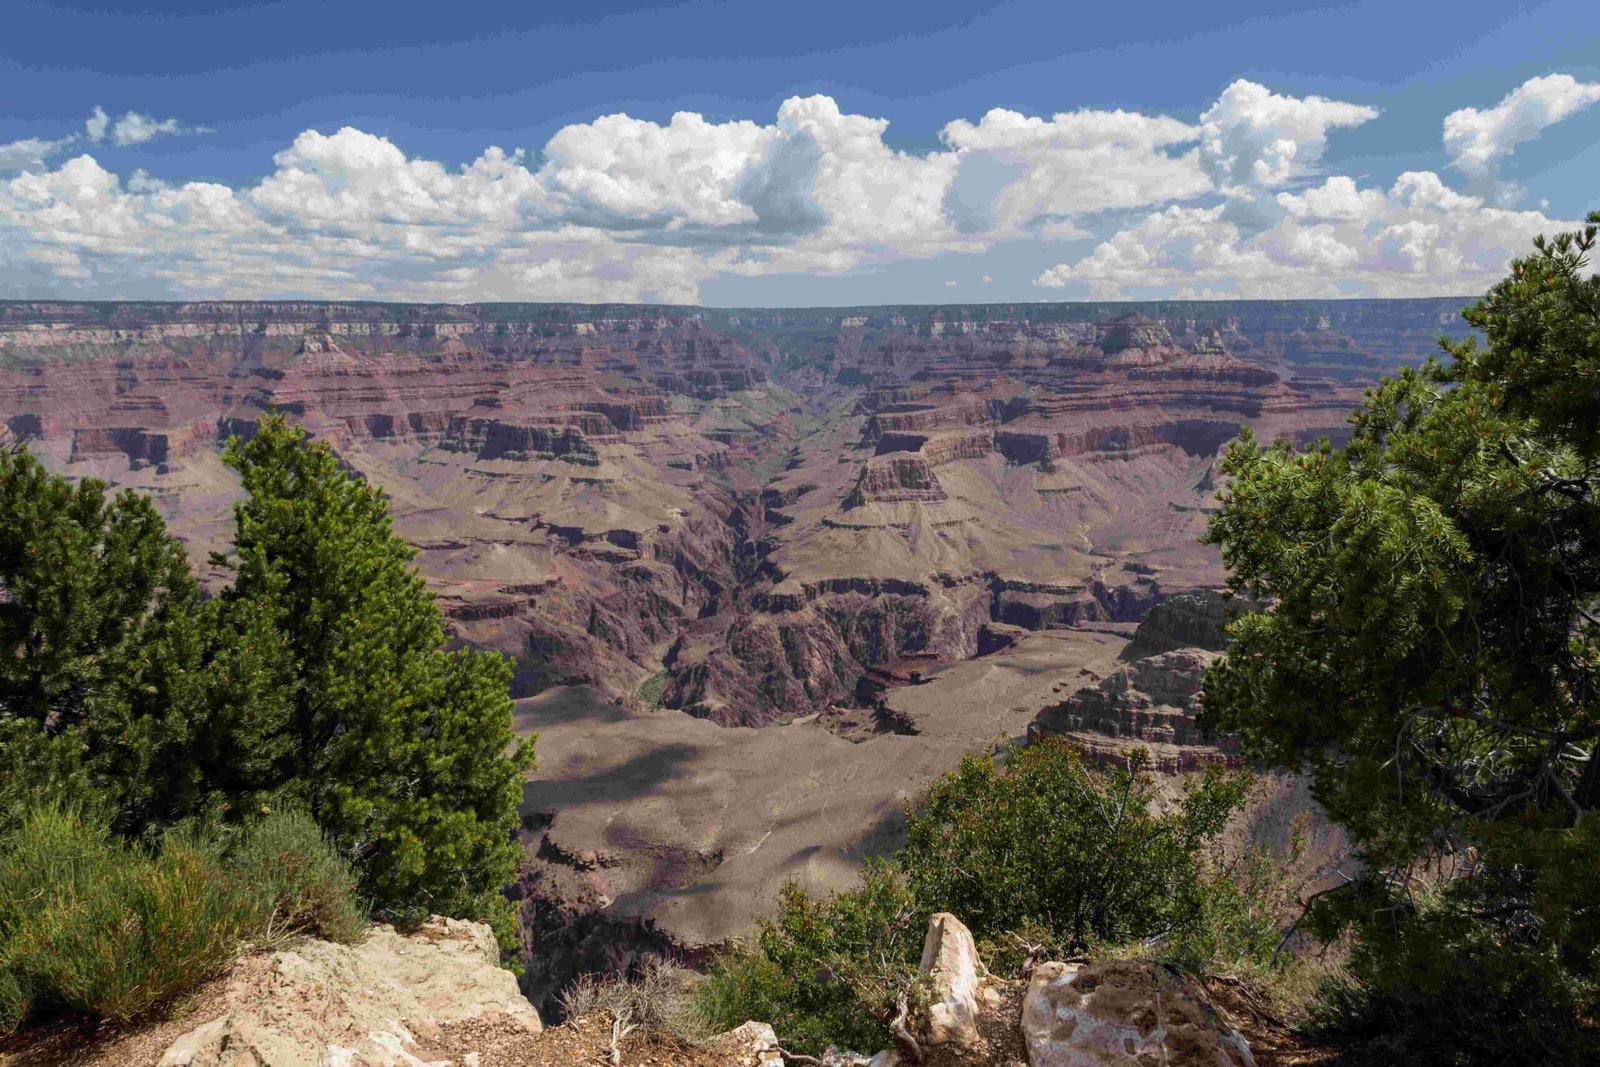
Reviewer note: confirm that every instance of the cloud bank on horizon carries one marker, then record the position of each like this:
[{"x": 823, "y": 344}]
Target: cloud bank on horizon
[{"x": 1234, "y": 203}]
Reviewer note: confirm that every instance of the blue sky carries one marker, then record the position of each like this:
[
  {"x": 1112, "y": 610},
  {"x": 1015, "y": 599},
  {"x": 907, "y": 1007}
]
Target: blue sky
[{"x": 234, "y": 178}]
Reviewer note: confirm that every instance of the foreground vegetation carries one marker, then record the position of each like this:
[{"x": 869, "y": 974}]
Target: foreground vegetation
[
  {"x": 170, "y": 759},
  {"x": 92, "y": 923},
  {"x": 1038, "y": 854},
  {"x": 1432, "y": 658}
]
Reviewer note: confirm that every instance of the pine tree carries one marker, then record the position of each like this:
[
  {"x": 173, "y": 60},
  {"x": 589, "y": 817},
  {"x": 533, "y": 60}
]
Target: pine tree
[
  {"x": 101, "y": 657},
  {"x": 402, "y": 750},
  {"x": 1432, "y": 655}
]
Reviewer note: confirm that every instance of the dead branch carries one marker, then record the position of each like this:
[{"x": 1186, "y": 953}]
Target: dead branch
[
  {"x": 902, "y": 1037},
  {"x": 795, "y": 1057},
  {"x": 620, "y": 1029}
]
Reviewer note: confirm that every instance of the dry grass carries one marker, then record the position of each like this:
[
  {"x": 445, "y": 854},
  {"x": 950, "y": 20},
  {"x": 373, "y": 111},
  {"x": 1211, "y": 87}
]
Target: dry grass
[{"x": 657, "y": 1002}]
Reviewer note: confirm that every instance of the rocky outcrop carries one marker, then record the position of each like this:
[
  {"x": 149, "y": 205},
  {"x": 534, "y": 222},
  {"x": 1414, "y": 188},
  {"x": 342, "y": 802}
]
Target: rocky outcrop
[
  {"x": 1152, "y": 705},
  {"x": 894, "y": 480},
  {"x": 1048, "y": 606},
  {"x": 387, "y": 1000},
  {"x": 1125, "y": 1013},
  {"x": 751, "y": 1044},
  {"x": 494, "y": 439},
  {"x": 1153, "y": 701},
  {"x": 805, "y": 648},
  {"x": 939, "y": 448},
  {"x": 1185, "y": 620},
  {"x": 951, "y": 970}
]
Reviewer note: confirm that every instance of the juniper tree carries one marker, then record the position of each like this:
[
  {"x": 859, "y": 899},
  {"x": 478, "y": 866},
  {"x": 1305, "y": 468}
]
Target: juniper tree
[
  {"x": 1431, "y": 653},
  {"x": 402, "y": 750}
]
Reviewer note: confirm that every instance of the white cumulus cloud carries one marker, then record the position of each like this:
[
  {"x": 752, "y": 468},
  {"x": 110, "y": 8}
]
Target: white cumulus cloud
[
  {"x": 31, "y": 153},
  {"x": 97, "y": 124},
  {"x": 629, "y": 209},
  {"x": 1416, "y": 238},
  {"x": 133, "y": 128},
  {"x": 1018, "y": 172},
  {"x": 1479, "y": 141},
  {"x": 1252, "y": 136}
]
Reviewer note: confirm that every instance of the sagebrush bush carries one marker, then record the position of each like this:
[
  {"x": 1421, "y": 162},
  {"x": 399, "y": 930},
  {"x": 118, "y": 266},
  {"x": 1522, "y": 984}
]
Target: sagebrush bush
[
  {"x": 658, "y": 1001},
  {"x": 92, "y": 924},
  {"x": 298, "y": 882}
]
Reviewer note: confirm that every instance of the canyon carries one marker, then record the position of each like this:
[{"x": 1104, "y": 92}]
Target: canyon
[{"x": 763, "y": 573}]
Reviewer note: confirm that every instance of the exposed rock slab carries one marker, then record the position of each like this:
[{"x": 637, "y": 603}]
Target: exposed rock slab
[
  {"x": 366, "y": 1005},
  {"x": 750, "y": 1044},
  {"x": 1125, "y": 1013}
]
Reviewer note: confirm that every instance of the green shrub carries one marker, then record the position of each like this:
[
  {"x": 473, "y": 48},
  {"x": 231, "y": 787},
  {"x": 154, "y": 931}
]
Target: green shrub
[
  {"x": 651, "y": 690},
  {"x": 92, "y": 924},
  {"x": 826, "y": 971},
  {"x": 298, "y": 881},
  {"x": 13, "y": 1002},
  {"x": 1046, "y": 840},
  {"x": 1243, "y": 911},
  {"x": 1038, "y": 856}
]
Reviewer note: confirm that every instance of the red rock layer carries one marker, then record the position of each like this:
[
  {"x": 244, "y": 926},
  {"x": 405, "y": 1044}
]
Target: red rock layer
[{"x": 762, "y": 504}]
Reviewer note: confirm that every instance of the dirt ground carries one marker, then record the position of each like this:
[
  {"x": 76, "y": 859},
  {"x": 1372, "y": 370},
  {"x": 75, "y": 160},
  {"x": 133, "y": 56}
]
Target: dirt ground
[
  {"x": 587, "y": 1041},
  {"x": 498, "y": 1042},
  {"x": 1272, "y": 1042},
  {"x": 67, "y": 1043}
]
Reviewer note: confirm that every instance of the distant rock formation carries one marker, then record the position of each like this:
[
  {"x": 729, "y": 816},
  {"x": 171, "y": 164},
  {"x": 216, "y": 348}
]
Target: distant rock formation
[
  {"x": 1153, "y": 701},
  {"x": 1195, "y": 619},
  {"x": 778, "y": 501}
]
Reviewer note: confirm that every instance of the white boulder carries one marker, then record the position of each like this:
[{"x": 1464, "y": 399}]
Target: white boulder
[{"x": 1125, "y": 1013}]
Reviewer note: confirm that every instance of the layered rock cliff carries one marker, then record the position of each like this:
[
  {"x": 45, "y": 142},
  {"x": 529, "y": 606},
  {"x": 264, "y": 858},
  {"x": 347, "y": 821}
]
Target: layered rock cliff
[{"x": 740, "y": 511}]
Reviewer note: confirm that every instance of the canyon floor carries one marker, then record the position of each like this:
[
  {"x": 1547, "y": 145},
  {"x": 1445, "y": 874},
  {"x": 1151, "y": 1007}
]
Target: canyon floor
[{"x": 657, "y": 813}]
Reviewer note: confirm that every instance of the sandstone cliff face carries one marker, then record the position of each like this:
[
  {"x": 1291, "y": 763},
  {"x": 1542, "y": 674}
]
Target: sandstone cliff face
[{"x": 1150, "y": 704}]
